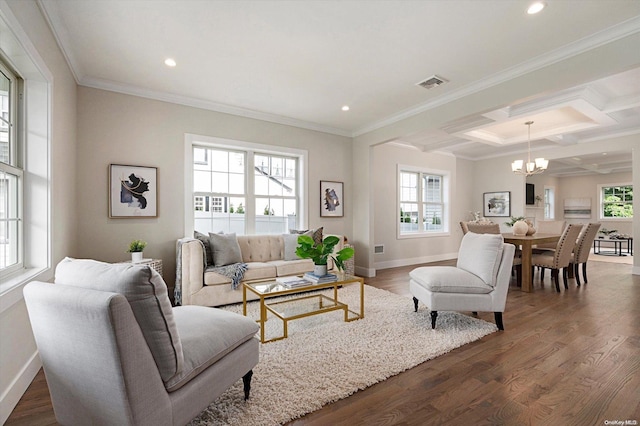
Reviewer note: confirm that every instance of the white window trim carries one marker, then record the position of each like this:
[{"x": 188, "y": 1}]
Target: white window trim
[
  {"x": 446, "y": 200},
  {"x": 552, "y": 203},
  {"x": 36, "y": 134},
  {"x": 601, "y": 216},
  {"x": 210, "y": 141}
]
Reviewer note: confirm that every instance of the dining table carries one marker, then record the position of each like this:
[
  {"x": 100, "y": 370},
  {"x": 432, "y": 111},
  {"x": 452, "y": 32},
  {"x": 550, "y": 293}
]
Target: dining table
[{"x": 526, "y": 243}]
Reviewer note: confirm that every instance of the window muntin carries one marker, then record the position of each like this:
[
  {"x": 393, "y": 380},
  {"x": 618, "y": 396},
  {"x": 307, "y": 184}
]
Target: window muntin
[
  {"x": 616, "y": 202},
  {"x": 421, "y": 202},
  {"x": 11, "y": 175},
  {"x": 245, "y": 191}
]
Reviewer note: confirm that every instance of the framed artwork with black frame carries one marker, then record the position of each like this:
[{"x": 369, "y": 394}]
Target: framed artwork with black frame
[
  {"x": 496, "y": 204},
  {"x": 331, "y": 199},
  {"x": 133, "y": 191}
]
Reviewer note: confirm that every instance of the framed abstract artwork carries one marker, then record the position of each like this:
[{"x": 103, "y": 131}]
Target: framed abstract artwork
[
  {"x": 331, "y": 199},
  {"x": 133, "y": 191},
  {"x": 497, "y": 204}
]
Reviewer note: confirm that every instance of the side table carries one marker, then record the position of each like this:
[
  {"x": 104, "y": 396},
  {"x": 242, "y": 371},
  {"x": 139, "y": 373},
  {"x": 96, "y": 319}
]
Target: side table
[{"x": 154, "y": 263}]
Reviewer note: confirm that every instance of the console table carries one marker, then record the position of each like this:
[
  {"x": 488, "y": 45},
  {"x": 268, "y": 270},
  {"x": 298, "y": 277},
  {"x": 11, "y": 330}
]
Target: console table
[{"x": 617, "y": 246}]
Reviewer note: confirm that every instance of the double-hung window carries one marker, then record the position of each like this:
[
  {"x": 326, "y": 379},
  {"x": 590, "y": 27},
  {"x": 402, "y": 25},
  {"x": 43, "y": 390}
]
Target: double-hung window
[
  {"x": 246, "y": 191},
  {"x": 423, "y": 201},
  {"x": 11, "y": 175},
  {"x": 616, "y": 201}
]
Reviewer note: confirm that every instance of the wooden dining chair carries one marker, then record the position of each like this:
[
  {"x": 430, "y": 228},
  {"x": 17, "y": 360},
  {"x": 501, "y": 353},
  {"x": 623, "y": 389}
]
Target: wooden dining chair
[
  {"x": 560, "y": 257},
  {"x": 582, "y": 249}
]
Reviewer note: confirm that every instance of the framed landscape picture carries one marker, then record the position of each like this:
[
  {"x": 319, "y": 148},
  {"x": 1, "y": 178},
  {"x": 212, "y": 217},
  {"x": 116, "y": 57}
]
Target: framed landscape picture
[
  {"x": 497, "y": 204},
  {"x": 133, "y": 191},
  {"x": 331, "y": 199}
]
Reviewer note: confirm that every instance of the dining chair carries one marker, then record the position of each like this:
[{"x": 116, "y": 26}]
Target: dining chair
[
  {"x": 480, "y": 228},
  {"x": 581, "y": 252},
  {"x": 560, "y": 257},
  {"x": 548, "y": 227}
]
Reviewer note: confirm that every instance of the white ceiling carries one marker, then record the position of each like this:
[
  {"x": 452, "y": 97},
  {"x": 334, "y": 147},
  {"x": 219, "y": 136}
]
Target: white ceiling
[{"x": 299, "y": 62}]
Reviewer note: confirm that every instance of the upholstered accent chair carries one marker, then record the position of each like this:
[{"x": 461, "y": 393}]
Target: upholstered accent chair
[
  {"x": 560, "y": 257},
  {"x": 478, "y": 282},
  {"x": 582, "y": 249},
  {"x": 115, "y": 352}
]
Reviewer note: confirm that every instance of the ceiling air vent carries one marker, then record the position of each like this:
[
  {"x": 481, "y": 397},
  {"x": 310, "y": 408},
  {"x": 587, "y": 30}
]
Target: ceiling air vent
[{"x": 432, "y": 82}]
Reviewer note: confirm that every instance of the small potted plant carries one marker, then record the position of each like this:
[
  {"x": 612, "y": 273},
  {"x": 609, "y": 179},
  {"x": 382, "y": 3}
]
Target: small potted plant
[
  {"x": 538, "y": 199},
  {"x": 319, "y": 253},
  {"x": 136, "y": 247}
]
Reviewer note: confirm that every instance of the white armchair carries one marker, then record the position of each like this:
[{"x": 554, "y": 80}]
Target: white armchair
[{"x": 479, "y": 281}]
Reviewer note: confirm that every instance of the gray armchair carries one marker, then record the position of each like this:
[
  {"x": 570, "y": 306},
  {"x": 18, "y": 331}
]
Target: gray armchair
[{"x": 115, "y": 352}]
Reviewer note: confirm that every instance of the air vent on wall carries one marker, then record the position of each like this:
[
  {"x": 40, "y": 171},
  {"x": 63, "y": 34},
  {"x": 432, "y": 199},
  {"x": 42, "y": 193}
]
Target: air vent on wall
[
  {"x": 378, "y": 249},
  {"x": 432, "y": 82}
]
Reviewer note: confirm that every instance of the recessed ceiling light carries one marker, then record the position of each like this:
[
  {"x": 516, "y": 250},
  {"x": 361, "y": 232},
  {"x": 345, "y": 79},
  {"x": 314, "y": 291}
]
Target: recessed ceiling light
[
  {"x": 170, "y": 62},
  {"x": 345, "y": 108},
  {"x": 535, "y": 7}
]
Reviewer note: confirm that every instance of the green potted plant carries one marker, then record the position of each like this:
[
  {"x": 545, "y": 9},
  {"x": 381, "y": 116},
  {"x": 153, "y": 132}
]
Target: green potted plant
[
  {"x": 136, "y": 247},
  {"x": 321, "y": 252}
]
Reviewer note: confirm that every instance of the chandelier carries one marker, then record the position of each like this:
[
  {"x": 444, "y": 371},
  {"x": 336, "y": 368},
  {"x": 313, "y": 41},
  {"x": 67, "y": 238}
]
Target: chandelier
[{"x": 535, "y": 167}]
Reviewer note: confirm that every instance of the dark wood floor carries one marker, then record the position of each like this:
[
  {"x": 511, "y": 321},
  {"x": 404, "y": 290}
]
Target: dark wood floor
[{"x": 564, "y": 359}]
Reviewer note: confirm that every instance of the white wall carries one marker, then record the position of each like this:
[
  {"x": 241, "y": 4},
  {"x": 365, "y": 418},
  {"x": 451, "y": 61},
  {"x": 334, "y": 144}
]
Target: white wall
[
  {"x": 122, "y": 129},
  {"x": 18, "y": 357},
  {"x": 409, "y": 251},
  {"x": 587, "y": 187}
]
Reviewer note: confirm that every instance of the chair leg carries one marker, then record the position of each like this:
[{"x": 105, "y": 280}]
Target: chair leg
[
  {"x": 541, "y": 274},
  {"x": 576, "y": 268},
  {"x": 564, "y": 278},
  {"x": 555, "y": 279},
  {"x": 246, "y": 381},
  {"x": 415, "y": 303},
  {"x": 584, "y": 272},
  {"x": 498, "y": 316},
  {"x": 518, "y": 269},
  {"x": 434, "y": 315}
]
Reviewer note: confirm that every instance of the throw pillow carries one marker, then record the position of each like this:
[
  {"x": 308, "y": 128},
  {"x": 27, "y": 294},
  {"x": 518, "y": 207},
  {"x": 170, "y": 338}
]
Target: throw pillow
[
  {"x": 207, "y": 247},
  {"x": 316, "y": 234},
  {"x": 290, "y": 245},
  {"x": 226, "y": 249},
  {"x": 147, "y": 294},
  {"x": 480, "y": 254}
]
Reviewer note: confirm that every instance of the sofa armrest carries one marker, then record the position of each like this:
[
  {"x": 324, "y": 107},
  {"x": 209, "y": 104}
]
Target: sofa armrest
[{"x": 192, "y": 268}]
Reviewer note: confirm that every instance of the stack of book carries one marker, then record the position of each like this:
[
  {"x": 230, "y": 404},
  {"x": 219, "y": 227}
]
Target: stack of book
[
  {"x": 293, "y": 282},
  {"x": 320, "y": 279}
]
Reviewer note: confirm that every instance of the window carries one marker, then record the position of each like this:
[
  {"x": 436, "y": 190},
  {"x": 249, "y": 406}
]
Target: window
[
  {"x": 246, "y": 191},
  {"x": 616, "y": 201},
  {"x": 549, "y": 203},
  {"x": 11, "y": 175},
  {"x": 422, "y": 202}
]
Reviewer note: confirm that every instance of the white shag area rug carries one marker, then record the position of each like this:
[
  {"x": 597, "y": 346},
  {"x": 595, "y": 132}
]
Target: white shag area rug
[{"x": 325, "y": 359}]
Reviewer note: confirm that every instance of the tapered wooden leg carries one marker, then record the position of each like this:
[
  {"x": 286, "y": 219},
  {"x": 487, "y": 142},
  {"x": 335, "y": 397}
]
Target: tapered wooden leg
[
  {"x": 246, "y": 381},
  {"x": 415, "y": 303},
  {"x": 434, "y": 315},
  {"x": 577, "y": 275},
  {"x": 555, "y": 278},
  {"x": 584, "y": 272},
  {"x": 498, "y": 316}
]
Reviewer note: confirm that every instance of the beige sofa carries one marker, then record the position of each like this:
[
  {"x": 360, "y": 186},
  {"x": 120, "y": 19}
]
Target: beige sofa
[{"x": 263, "y": 254}]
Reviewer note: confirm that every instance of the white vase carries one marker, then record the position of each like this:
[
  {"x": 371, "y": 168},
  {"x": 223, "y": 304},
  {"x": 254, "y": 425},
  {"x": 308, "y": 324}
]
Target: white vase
[
  {"x": 320, "y": 270},
  {"x": 136, "y": 256},
  {"x": 520, "y": 228}
]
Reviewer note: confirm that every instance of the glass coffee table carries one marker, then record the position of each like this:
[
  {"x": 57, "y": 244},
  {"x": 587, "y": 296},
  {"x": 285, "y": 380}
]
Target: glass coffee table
[{"x": 301, "y": 306}]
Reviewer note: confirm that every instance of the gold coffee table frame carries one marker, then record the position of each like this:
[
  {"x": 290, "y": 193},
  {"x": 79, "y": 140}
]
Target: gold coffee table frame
[{"x": 269, "y": 289}]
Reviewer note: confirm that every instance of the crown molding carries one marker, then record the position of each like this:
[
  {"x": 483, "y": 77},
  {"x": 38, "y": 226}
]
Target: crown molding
[
  {"x": 593, "y": 41},
  {"x": 208, "y": 105}
]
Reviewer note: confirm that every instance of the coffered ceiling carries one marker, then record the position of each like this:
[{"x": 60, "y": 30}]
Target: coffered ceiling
[{"x": 299, "y": 63}]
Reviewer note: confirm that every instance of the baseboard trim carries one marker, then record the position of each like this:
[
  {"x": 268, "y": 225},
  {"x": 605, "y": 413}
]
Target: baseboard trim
[
  {"x": 365, "y": 272},
  {"x": 18, "y": 387},
  {"x": 415, "y": 261},
  {"x": 635, "y": 270}
]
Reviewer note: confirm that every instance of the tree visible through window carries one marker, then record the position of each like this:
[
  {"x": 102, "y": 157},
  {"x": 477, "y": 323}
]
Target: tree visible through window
[{"x": 617, "y": 201}]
